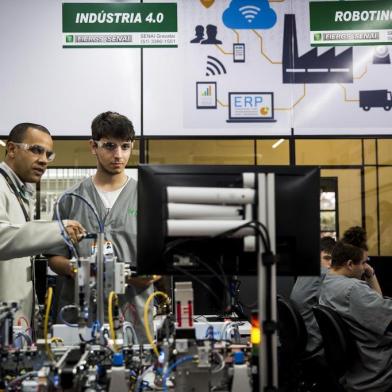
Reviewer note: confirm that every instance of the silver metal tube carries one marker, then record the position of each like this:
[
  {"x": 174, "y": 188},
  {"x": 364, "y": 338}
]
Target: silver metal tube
[
  {"x": 261, "y": 280},
  {"x": 272, "y": 234},
  {"x": 200, "y": 228},
  {"x": 206, "y": 195},
  {"x": 266, "y": 215},
  {"x": 204, "y": 211}
]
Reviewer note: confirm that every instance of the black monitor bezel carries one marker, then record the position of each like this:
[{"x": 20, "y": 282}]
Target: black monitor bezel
[{"x": 151, "y": 242}]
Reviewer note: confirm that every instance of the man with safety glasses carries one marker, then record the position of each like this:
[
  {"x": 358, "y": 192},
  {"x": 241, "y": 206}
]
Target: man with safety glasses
[
  {"x": 29, "y": 149},
  {"x": 114, "y": 196}
]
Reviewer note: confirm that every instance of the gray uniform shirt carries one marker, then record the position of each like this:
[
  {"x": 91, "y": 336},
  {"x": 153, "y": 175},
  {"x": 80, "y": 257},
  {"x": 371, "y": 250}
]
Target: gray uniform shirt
[
  {"x": 368, "y": 315},
  {"x": 120, "y": 229},
  {"x": 305, "y": 295}
]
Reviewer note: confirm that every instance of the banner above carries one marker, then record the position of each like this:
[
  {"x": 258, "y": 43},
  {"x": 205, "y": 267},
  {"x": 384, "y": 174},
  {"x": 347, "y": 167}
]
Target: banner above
[
  {"x": 334, "y": 23},
  {"x": 119, "y": 25}
]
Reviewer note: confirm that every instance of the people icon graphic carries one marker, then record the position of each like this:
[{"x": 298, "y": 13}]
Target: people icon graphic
[
  {"x": 211, "y": 39},
  {"x": 212, "y": 32},
  {"x": 199, "y": 32}
]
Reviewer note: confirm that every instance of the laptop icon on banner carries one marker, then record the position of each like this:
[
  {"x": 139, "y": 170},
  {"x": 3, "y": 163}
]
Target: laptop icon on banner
[{"x": 251, "y": 107}]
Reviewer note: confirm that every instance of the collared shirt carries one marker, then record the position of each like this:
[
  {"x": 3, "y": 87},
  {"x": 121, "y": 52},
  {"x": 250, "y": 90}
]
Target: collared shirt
[
  {"x": 305, "y": 294},
  {"x": 368, "y": 316},
  {"x": 26, "y": 190}
]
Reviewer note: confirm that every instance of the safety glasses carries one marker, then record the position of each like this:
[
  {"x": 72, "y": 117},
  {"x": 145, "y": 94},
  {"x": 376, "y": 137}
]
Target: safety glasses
[
  {"x": 36, "y": 149},
  {"x": 110, "y": 146}
]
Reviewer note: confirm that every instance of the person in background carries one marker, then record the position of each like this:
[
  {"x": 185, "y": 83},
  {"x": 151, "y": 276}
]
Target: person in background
[
  {"x": 368, "y": 316},
  {"x": 306, "y": 293},
  {"x": 356, "y": 236}
]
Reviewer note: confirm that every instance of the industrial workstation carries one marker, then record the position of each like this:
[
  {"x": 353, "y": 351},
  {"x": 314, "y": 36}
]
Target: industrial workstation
[{"x": 195, "y": 195}]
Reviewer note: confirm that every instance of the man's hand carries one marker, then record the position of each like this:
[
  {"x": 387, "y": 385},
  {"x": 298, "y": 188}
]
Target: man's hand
[
  {"x": 369, "y": 271},
  {"x": 371, "y": 278},
  {"x": 75, "y": 230}
]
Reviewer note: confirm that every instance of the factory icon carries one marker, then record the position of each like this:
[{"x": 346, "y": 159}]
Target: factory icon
[{"x": 312, "y": 67}]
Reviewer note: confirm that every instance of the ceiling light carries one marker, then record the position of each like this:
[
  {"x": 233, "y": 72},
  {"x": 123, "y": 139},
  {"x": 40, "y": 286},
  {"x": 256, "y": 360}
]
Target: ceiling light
[{"x": 278, "y": 143}]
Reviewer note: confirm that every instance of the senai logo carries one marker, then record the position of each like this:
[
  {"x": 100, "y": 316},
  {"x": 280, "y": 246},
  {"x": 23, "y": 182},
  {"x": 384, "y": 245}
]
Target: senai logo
[{"x": 249, "y": 12}]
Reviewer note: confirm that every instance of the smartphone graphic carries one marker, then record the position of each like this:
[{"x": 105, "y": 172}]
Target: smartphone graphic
[{"x": 239, "y": 53}]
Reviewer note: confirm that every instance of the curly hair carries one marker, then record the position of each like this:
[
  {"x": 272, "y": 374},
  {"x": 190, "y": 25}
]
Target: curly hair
[{"x": 356, "y": 236}]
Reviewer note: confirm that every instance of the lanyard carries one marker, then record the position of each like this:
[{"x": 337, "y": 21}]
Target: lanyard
[{"x": 17, "y": 194}]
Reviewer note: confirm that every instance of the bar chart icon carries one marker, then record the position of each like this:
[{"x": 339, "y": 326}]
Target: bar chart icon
[
  {"x": 207, "y": 92},
  {"x": 206, "y": 95}
]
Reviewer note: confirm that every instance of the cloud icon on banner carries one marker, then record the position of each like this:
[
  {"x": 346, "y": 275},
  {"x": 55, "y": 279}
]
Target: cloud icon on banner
[{"x": 251, "y": 14}]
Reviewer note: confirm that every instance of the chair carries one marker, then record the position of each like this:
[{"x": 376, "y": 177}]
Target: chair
[
  {"x": 300, "y": 370},
  {"x": 292, "y": 330},
  {"x": 293, "y": 337},
  {"x": 339, "y": 344}
]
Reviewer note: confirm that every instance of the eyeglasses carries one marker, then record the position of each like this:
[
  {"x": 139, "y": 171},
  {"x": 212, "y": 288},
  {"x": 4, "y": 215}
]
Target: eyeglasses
[
  {"x": 36, "y": 149},
  {"x": 110, "y": 146}
]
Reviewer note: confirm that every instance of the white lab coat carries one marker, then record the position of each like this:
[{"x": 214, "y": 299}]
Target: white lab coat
[{"x": 18, "y": 241}]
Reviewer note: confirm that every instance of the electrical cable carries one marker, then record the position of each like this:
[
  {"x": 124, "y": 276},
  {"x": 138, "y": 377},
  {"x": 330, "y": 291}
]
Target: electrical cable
[
  {"x": 24, "y": 319},
  {"x": 96, "y": 326},
  {"x": 139, "y": 382},
  {"x": 63, "y": 231},
  {"x": 197, "y": 279},
  {"x": 48, "y": 304},
  {"x": 112, "y": 296},
  {"x": 221, "y": 363},
  {"x": 180, "y": 361},
  {"x": 33, "y": 373},
  {"x": 257, "y": 226},
  {"x": 214, "y": 273},
  {"x": 128, "y": 326},
  {"x": 175, "y": 243},
  {"x": 90, "y": 205},
  {"x": 61, "y": 315},
  {"x": 222, "y": 279},
  {"x": 25, "y": 336},
  {"x": 145, "y": 318}
]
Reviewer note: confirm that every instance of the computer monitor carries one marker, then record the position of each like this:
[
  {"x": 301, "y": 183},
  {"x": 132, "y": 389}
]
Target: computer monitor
[
  {"x": 297, "y": 205},
  {"x": 251, "y": 107}
]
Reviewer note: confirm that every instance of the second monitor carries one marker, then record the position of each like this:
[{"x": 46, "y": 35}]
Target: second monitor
[{"x": 297, "y": 205}]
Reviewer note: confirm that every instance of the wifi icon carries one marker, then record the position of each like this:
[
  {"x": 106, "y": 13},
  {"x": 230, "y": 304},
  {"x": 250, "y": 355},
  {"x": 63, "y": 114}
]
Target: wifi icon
[
  {"x": 214, "y": 66},
  {"x": 249, "y": 12}
]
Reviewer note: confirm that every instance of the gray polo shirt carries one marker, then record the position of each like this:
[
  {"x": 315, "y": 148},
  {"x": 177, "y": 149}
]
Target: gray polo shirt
[
  {"x": 120, "y": 229},
  {"x": 367, "y": 315},
  {"x": 305, "y": 295}
]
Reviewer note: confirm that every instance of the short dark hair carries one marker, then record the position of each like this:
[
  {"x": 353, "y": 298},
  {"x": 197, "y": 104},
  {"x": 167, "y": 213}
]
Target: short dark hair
[
  {"x": 356, "y": 236},
  {"x": 343, "y": 252},
  {"x": 327, "y": 244},
  {"x": 112, "y": 124},
  {"x": 18, "y": 132}
]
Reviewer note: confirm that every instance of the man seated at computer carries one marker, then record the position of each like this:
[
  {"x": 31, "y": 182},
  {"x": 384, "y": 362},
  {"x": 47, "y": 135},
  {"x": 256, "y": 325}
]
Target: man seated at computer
[
  {"x": 306, "y": 293},
  {"x": 357, "y": 236},
  {"x": 367, "y": 314}
]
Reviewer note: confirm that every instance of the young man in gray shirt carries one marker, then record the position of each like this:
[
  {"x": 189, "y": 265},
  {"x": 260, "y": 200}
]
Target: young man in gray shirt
[
  {"x": 367, "y": 314},
  {"x": 114, "y": 196},
  {"x": 306, "y": 293}
]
